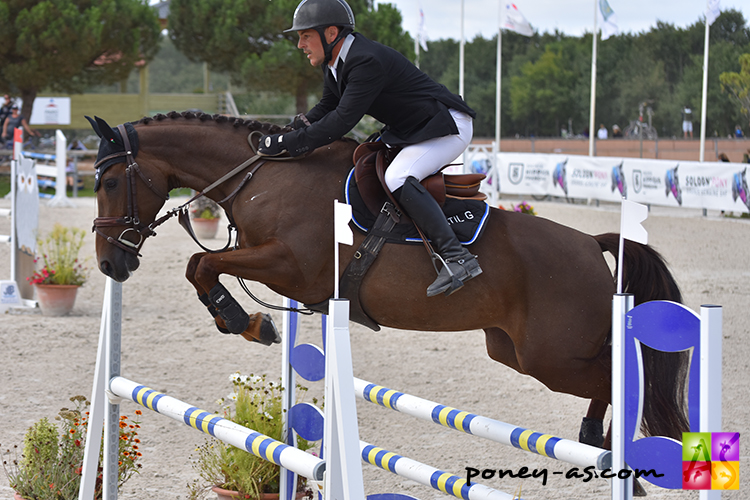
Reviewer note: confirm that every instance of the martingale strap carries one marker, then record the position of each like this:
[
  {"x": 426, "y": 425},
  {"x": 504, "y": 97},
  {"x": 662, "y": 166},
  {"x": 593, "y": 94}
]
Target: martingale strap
[{"x": 363, "y": 258}]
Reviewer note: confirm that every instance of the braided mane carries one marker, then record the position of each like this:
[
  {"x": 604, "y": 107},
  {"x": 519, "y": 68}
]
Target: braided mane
[
  {"x": 267, "y": 128},
  {"x": 252, "y": 125}
]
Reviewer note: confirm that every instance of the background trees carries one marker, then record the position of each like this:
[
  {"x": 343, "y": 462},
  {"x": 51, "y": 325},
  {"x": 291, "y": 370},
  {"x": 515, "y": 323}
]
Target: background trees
[
  {"x": 245, "y": 38},
  {"x": 68, "y": 45}
]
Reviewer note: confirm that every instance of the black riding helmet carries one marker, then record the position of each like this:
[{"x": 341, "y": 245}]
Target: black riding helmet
[{"x": 320, "y": 14}]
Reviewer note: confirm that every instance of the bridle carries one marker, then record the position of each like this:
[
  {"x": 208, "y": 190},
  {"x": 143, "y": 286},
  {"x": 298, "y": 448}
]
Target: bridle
[{"x": 131, "y": 220}]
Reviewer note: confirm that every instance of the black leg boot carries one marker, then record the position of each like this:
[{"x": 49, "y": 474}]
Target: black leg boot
[{"x": 459, "y": 265}]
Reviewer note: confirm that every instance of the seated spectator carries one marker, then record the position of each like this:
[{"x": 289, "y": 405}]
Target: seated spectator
[
  {"x": 616, "y": 132},
  {"x": 738, "y": 134},
  {"x": 14, "y": 121}
]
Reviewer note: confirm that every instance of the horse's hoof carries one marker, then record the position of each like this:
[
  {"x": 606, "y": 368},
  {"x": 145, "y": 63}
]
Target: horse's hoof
[
  {"x": 262, "y": 330},
  {"x": 592, "y": 432}
]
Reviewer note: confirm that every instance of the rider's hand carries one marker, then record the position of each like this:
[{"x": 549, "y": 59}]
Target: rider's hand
[
  {"x": 298, "y": 122},
  {"x": 271, "y": 145}
]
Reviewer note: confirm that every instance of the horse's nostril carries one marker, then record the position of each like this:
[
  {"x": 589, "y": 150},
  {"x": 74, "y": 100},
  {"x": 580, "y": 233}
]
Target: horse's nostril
[{"x": 105, "y": 267}]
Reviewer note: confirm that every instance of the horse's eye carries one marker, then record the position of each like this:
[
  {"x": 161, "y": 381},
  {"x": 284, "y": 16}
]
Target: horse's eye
[{"x": 110, "y": 184}]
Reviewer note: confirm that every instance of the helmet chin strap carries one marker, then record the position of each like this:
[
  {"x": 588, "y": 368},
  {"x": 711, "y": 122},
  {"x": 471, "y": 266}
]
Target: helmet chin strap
[{"x": 328, "y": 47}]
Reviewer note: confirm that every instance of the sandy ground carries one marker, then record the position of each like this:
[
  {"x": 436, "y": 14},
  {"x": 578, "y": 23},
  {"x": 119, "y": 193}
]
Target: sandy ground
[{"x": 169, "y": 343}]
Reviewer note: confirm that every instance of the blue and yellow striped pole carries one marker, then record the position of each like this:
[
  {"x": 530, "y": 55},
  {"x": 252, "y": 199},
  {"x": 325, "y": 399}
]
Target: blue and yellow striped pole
[
  {"x": 543, "y": 444},
  {"x": 222, "y": 429},
  {"x": 429, "y": 476}
]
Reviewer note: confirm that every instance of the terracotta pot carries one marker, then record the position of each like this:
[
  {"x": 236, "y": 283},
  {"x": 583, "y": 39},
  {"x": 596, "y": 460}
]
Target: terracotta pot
[
  {"x": 205, "y": 228},
  {"x": 56, "y": 300},
  {"x": 17, "y": 496},
  {"x": 235, "y": 495}
]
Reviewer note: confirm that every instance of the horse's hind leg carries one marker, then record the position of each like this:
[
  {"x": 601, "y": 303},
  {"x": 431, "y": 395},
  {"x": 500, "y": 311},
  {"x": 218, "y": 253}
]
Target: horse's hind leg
[
  {"x": 592, "y": 426},
  {"x": 260, "y": 327}
]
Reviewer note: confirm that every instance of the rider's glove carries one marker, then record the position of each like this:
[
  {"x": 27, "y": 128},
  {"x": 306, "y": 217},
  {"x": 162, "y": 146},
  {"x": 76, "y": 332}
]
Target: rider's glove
[
  {"x": 271, "y": 145},
  {"x": 298, "y": 122}
]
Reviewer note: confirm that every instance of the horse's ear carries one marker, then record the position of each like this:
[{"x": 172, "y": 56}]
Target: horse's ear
[
  {"x": 106, "y": 131},
  {"x": 94, "y": 125}
]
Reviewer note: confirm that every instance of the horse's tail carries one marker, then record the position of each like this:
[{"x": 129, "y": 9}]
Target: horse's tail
[{"x": 646, "y": 276}]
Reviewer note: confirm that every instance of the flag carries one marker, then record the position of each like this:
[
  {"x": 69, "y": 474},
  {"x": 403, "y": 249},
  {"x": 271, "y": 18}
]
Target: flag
[
  {"x": 630, "y": 221},
  {"x": 608, "y": 20},
  {"x": 422, "y": 33},
  {"x": 513, "y": 20},
  {"x": 713, "y": 9},
  {"x": 342, "y": 216}
]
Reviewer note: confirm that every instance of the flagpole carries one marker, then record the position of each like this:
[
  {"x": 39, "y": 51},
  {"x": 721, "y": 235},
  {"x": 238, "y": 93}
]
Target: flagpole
[
  {"x": 592, "y": 116},
  {"x": 498, "y": 96},
  {"x": 461, "y": 57},
  {"x": 705, "y": 92}
]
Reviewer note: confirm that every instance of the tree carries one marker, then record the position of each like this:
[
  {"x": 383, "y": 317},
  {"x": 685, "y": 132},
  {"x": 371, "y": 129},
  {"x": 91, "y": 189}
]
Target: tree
[
  {"x": 246, "y": 39},
  {"x": 540, "y": 95},
  {"x": 738, "y": 85},
  {"x": 67, "y": 45}
]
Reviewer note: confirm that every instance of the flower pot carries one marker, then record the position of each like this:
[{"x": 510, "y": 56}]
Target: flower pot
[
  {"x": 205, "y": 228},
  {"x": 56, "y": 300},
  {"x": 235, "y": 495}
]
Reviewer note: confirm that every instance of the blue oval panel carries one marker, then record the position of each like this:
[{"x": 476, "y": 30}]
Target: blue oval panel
[
  {"x": 307, "y": 420},
  {"x": 309, "y": 362}
]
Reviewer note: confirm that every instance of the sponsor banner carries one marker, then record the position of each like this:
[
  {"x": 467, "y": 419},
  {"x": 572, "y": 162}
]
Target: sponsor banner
[
  {"x": 49, "y": 111},
  {"x": 719, "y": 186}
]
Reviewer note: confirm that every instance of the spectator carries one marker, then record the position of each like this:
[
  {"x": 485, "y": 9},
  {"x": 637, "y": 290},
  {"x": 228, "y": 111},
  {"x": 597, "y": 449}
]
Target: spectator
[
  {"x": 602, "y": 132},
  {"x": 14, "y": 121},
  {"x": 616, "y": 132},
  {"x": 738, "y": 132},
  {"x": 687, "y": 122},
  {"x": 5, "y": 110},
  {"x": 723, "y": 157}
]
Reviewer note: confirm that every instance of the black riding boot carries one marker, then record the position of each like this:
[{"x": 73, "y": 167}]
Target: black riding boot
[{"x": 459, "y": 265}]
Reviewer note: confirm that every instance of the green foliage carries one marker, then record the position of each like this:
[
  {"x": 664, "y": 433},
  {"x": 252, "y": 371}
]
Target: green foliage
[
  {"x": 58, "y": 253},
  {"x": 257, "y": 405},
  {"x": 67, "y": 45},
  {"x": 737, "y": 84},
  {"x": 546, "y": 78},
  {"x": 205, "y": 208},
  {"x": 39, "y": 444},
  {"x": 51, "y": 464},
  {"x": 245, "y": 38}
]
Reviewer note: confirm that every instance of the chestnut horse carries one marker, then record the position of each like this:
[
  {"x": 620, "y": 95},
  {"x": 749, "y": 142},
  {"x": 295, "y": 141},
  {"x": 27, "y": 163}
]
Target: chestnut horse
[{"x": 544, "y": 300}]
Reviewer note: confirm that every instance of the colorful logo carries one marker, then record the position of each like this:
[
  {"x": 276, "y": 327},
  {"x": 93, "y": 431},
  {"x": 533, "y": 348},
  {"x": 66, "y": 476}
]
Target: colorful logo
[
  {"x": 672, "y": 183},
  {"x": 559, "y": 177},
  {"x": 739, "y": 188},
  {"x": 618, "y": 180},
  {"x": 711, "y": 460}
]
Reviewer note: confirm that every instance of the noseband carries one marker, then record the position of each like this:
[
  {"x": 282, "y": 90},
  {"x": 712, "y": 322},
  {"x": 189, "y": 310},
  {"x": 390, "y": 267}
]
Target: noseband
[{"x": 131, "y": 220}]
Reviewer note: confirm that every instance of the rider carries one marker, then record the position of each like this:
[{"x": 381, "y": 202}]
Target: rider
[{"x": 433, "y": 125}]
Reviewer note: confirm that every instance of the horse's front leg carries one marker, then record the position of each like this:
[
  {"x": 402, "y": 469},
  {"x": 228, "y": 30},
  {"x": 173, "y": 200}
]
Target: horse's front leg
[
  {"x": 272, "y": 263},
  {"x": 260, "y": 327}
]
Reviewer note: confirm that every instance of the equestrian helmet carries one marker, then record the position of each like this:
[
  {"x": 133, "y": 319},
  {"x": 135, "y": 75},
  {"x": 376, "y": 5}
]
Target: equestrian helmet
[{"x": 321, "y": 14}]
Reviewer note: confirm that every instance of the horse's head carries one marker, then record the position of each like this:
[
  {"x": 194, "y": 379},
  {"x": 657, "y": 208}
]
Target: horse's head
[{"x": 128, "y": 196}]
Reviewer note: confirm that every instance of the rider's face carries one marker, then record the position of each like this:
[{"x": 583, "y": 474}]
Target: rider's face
[{"x": 309, "y": 42}]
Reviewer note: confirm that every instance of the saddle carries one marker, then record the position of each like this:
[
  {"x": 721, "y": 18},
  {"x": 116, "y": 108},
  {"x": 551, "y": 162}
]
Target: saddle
[{"x": 371, "y": 159}]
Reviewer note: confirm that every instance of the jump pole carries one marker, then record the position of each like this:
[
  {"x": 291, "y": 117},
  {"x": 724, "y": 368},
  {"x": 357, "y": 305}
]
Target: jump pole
[
  {"x": 110, "y": 389},
  {"x": 565, "y": 450},
  {"x": 222, "y": 429}
]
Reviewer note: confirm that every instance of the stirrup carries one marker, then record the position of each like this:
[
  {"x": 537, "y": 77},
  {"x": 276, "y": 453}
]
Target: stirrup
[{"x": 450, "y": 280}]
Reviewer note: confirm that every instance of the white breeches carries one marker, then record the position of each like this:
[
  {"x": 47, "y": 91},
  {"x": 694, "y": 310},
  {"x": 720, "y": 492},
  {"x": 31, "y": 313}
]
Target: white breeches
[{"x": 426, "y": 158}]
